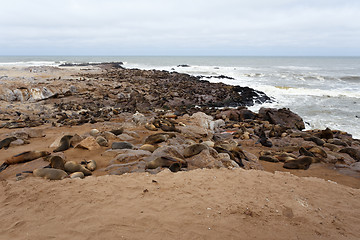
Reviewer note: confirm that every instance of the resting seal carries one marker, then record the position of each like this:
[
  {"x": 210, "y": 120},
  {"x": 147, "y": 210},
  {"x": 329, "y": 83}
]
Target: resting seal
[
  {"x": 72, "y": 167},
  {"x": 300, "y": 163},
  {"x": 57, "y": 162},
  {"x": 173, "y": 163},
  {"x": 50, "y": 173},
  {"x": 23, "y": 157},
  {"x": 64, "y": 143},
  {"x": 6, "y": 142}
]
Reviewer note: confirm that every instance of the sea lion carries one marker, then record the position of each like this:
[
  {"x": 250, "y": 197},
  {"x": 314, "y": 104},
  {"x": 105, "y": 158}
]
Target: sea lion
[
  {"x": 326, "y": 134},
  {"x": 300, "y": 163},
  {"x": 72, "y": 167},
  {"x": 235, "y": 155},
  {"x": 149, "y": 147},
  {"x": 64, "y": 143},
  {"x": 354, "y": 153},
  {"x": 5, "y": 143},
  {"x": 158, "y": 138},
  {"x": 91, "y": 165},
  {"x": 284, "y": 157},
  {"x": 305, "y": 152},
  {"x": 268, "y": 158},
  {"x": 318, "y": 152},
  {"x": 316, "y": 140},
  {"x": 23, "y": 157},
  {"x": 77, "y": 175},
  {"x": 332, "y": 147},
  {"x": 150, "y": 126},
  {"x": 173, "y": 163},
  {"x": 194, "y": 150},
  {"x": 50, "y": 173},
  {"x": 57, "y": 162},
  {"x": 263, "y": 140}
]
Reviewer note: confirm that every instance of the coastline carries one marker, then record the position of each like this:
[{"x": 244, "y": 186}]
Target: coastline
[{"x": 79, "y": 99}]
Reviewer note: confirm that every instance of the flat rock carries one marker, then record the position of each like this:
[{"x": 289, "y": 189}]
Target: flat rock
[
  {"x": 122, "y": 145},
  {"x": 88, "y": 143}
]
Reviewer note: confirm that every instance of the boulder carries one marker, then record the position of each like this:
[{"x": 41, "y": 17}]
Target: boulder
[
  {"x": 204, "y": 160},
  {"x": 283, "y": 117},
  {"x": 88, "y": 143}
]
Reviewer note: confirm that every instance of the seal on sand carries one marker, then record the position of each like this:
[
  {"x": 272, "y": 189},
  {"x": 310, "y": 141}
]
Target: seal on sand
[
  {"x": 6, "y": 142},
  {"x": 23, "y": 157},
  {"x": 64, "y": 143},
  {"x": 72, "y": 167},
  {"x": 50, "y": 173},
  {"x": 57, "y": 162},
  {"x": 300, "y": 163}
]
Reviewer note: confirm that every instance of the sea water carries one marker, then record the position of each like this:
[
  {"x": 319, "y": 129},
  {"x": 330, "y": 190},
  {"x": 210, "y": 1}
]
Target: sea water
[{"x": 324, "y": 91}]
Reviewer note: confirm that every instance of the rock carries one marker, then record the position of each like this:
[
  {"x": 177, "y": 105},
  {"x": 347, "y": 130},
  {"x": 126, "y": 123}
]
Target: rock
[
  {"x": 194, "y": 132},
  {"x": 117, "y": 131},
  {"x": 122, "y": 145},
  {"x": 21, "y": 135},
  {"x": 172, "y": 151},
  {"x": 203, "y": 160},
  {"x": 109, "y": 136},
  {"x": 209, "y": 143},
  {"x": 130, "y": 156},
  {"x": 158, "y": 138},
  {"x": 215, "y": 125},
  {"x": 102, "y": 141},
  {"x": 118, "y": 169},
  {"x": 237, "y": 114},
  {"x": 355, "y": 166},
  {"x": 94, "y": 132},
  {"x": 88, "y": 143},
  {"x": 283, "y": 117},
  {"x": 18, "y": 142},
  {"x": 125, "y": 137},
  {"x": 139, "y": 118},
  {"x": 201, "y": 119},
  {"x": 35, "y": 133}
]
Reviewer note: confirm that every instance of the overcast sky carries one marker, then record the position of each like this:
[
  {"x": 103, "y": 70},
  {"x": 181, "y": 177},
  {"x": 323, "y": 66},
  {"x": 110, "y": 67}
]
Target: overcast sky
[{"x": 186, "y": 27}]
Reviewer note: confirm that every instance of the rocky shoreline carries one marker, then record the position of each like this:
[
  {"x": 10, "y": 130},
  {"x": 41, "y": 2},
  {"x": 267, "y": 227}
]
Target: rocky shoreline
[{"x": 134, "y": 120}]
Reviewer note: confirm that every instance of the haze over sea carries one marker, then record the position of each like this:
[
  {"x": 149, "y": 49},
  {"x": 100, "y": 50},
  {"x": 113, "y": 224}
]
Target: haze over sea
[{"x": 324, "y": 91}]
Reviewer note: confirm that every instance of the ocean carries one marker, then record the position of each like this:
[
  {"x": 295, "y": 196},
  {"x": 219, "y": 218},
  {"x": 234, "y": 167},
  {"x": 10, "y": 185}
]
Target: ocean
[{"x": 324, "y": 91}]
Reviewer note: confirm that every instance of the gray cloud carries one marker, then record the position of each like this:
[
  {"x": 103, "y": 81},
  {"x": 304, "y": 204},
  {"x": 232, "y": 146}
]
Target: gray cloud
[{"x": 258, "y": 27}]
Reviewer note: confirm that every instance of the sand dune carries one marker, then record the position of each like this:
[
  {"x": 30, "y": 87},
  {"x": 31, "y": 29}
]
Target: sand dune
[{"x": 199, "y": 204}]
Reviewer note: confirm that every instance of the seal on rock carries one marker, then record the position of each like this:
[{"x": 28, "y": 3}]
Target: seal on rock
[
  {"x": 5, "y": 143},
  {"x": 173, "y": 163},
  {"x": 300, "y": 163},
  {"x": 64, "y": 143},
  {"x": 194, "y": 150},
  {"x": 23, "y": 157},
  {"x": 158, "y": 138},
  {"x": 50, "y": 173}
]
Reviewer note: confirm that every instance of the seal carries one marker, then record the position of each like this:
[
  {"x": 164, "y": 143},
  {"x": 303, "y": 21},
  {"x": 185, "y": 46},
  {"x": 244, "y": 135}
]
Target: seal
[
  {"x": 72, "y": 167},
  {"x": 158, "y": 138},
  {"x": 91, "y": 165},
  {"x": 150, "y": 126},
  {"x": 57, "y": 162},
  {"x": 50, "y": 173},
  {"x": 5, "y": 143},
  {"x": 352, "y": 152},
  {"x": 77, "y": 175},
  {"x": 326, "y": 134},
  {"x": 173, "y": 163},
  {"x": 268, "y": 158},
  {"x": 194, "y": 150},
  {"x": 23, "y": 157},
  {"x": 300, "y": 163},
  {"x": 64, "y": 143},
  {"x": 305, "y": 152},
  {"x": 117, "y": 131}
]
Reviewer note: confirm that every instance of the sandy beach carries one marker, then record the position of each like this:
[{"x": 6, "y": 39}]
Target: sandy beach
[{"x": 218, "y": 200}]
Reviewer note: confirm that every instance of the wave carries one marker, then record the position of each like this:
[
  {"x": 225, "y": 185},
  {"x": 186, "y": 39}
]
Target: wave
[{"x": 32, "y": 63}]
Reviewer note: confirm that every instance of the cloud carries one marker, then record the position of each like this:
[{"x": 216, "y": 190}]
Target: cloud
[{"x": 259, "y": 27}]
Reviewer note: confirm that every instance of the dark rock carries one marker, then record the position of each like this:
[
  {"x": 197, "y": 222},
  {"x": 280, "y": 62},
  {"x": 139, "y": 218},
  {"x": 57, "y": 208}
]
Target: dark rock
[
  {"x": 121, "y": 145},
  {"x": 283, "y": 117}
]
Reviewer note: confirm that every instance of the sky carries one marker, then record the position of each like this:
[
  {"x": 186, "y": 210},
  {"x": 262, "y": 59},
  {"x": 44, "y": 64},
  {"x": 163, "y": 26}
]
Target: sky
[{"x": 186, "y": 27}]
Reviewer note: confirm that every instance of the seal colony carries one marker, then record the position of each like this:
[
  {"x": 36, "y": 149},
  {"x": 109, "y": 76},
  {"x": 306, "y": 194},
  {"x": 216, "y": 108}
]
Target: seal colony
[{"x": 148, "y": 121}]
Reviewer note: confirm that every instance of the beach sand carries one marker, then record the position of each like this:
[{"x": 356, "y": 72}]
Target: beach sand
[{"x": 318, "y": 203}]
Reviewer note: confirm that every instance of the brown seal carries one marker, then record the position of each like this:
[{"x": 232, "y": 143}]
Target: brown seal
[
  {"x": 64, "y": 143},
  {"x": 72, "y": 167},
  {"x": 300, "y": 163},
  {"x": 5, "y": 143},
  {"x": 194, "y": 150},
  {"x": 23, "y": 157},
  {"x": 158, "y": 138},
  {"x": 50, "y": 173},
  {"x": 57, "y": 162},
  {"x": 173, "y": 163},
  {"x": 268, "y": 158}
]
